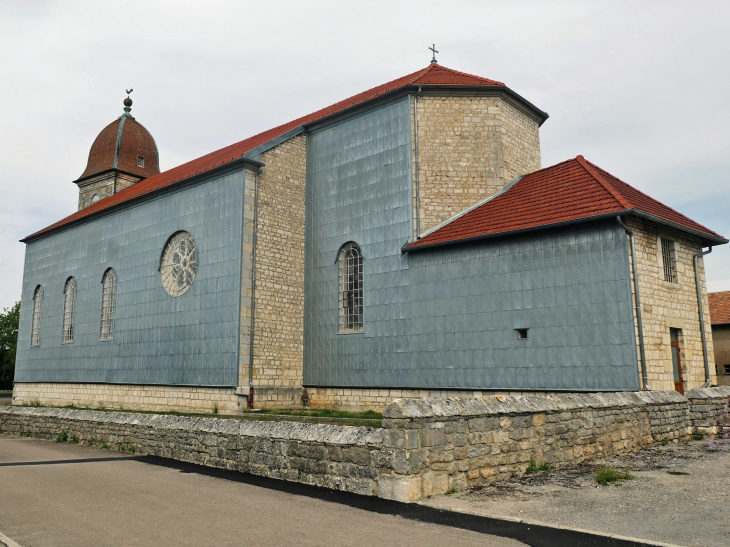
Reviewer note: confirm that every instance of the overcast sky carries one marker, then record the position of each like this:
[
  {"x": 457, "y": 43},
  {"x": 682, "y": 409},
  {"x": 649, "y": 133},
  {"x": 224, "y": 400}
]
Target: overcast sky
[{"x": 639, "y": 88}]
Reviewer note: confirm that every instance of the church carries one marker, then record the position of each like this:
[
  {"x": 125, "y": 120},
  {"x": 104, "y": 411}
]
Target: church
[{"x": 404, "y": 242}]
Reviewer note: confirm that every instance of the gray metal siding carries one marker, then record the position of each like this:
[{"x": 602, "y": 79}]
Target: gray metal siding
[
  {"x": 158, "y": 339},
  {"x": 446, "y": 318}
]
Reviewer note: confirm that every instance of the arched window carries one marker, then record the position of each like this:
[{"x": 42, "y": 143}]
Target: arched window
[
  {"x": 179, "y": 263},
  {"x": 108, "y": 297},
  {"x": 35, "y": 329},
  {"x": 350, "y": 268},
  {"x": 95, "y": 198},
  {"x": 69, "y": 303}
]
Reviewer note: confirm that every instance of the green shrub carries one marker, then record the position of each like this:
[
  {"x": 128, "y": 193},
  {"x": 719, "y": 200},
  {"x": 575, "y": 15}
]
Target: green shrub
[
  {"x": 131, "y": 449},
  {"x": 608, "y": 474},
  {"x": 532, "y": 467},
  {"x": 697, "y": 436},
  {"x": 62, "y": 437},
  {"x": 104, "y": 446},
  {"x": 74, "y": 440}
]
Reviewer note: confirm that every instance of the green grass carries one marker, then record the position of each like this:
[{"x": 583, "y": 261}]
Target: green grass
[
  {"x": 329, "y": 416},
  {"x": 532, "y": 467},
  {"x": 606, "y": 475},
  {"x": 451, "y": 490}
]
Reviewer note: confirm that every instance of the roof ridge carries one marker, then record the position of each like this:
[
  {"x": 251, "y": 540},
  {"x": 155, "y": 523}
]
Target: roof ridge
[
  {"x": 635, "y": 189},
  {"x": 436, "y": 66},
  {"x": 603, "y": 182}
]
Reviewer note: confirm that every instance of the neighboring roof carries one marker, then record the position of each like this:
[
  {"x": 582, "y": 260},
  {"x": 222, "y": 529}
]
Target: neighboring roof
[
  {"x": 719, "y": 307},
  {"x": 434, "y": 75},
  {"x": 118, "y": 146},
  {"x": 574, "y": 190}
]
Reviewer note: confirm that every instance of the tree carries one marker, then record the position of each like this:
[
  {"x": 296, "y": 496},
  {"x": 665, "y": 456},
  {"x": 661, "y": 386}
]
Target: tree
[{"x": 9, "y": 320}]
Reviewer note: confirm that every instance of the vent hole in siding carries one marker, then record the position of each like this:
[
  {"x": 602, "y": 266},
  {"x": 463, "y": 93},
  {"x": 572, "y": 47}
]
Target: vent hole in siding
[{"x": 521, "y": 334}]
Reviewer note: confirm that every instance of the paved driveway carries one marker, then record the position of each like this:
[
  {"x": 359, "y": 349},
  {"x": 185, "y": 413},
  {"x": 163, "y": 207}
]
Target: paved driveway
[{"x": 55, "y": 494}]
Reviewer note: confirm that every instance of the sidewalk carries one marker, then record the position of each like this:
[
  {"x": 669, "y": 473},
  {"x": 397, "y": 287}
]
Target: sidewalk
[{"x": 659, "y": 504}]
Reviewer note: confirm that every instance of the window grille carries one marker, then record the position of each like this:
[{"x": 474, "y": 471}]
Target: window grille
[
  {"x": 179, "y": 264},
  {"x": 35, "y": 330},
  {"x": 108, "y": 296},
  {"x": 69, "y": 303},
  {"x": 351, "y": 293},
  {"x": 669, "y": 261}
]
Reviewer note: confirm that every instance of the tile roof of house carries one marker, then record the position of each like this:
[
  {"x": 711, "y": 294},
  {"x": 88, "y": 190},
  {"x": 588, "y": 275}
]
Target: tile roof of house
[
  {"x": 719, "y": 307},
  {"x": 570, "y": 191},
  {"x": 433, "y": 75}
]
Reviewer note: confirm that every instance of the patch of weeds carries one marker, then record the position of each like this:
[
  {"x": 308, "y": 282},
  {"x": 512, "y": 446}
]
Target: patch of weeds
[
  {"x": 685, "y": 442},
  {"x": 35, "y": 402},
  {"x": 677, "y": 473},
  {"x": 451, "y": 490},
  {"x": 131, "y": 449},
  {"x": 74, "y": 440},
  {"x": 105, "y": 446},
  {"x": 120, "y": 448},
  {"x": 62, "y": 437},
  {"x": 697, "y": 436},
  {"x": 608, "y": 474},
  {"x": 532, "y": 467},
  {"x": 24, "y": 434},
  {"x": 665, "y": 442},
  {"x": 429, "y": 496},
  {"x": 215, "y": 408},
  {"x": 90, "y": 442},
  {"x": 38, "y": 436}
]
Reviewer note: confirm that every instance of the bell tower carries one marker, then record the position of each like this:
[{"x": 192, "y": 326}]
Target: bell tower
[{"x": 122, "y": 154}]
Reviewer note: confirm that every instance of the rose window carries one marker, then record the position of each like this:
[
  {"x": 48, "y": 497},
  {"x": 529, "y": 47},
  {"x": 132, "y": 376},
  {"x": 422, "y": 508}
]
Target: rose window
[{"x": 179, "y": 264}]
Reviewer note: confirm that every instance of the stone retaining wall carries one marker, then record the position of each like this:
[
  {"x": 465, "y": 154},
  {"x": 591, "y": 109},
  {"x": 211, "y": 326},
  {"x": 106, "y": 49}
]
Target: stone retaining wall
[{"x": 426, "y": 446}]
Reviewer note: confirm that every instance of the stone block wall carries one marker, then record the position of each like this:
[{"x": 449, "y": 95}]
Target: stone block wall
[
  {"x": 130, "y": 397},
  {"x": 426, "y": 446},
  {"x": 709, "y": 409},
  {"x": 279, "y": 310},
  {"x": 103, "y": 186},
  {"x": 671, "y": 305},
  {"x": 470, "y": 147}
]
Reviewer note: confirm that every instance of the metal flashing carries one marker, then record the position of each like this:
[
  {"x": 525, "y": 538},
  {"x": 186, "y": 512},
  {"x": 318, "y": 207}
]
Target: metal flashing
[{"x": 254, "y": 152}]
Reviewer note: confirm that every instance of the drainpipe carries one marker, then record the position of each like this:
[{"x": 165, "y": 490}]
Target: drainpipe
[
  {"x": 702, "y": 315},
  {"x": 418, "y": 195},
  {"x": 637, "y": 297},
  {"x": 253, "y": 285}
]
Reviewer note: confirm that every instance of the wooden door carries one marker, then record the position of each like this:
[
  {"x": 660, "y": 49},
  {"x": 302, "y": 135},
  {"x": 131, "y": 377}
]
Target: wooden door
[{"x": 676, "y": 362}]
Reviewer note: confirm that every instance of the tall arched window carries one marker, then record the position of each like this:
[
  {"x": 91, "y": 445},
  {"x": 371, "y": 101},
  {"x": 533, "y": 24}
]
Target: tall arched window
[
  {"x": 35, "y": 329},
  {"x": 350, "y": 268},
  {"x": 69, "y": 303},
  {"x": 108, "y": 297}
]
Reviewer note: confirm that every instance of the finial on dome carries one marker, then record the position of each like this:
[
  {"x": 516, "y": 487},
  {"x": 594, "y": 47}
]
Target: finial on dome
[{"x": 128, "y": 102}]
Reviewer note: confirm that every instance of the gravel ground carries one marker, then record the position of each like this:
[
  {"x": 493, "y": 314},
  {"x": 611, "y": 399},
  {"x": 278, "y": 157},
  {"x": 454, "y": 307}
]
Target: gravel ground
[{"x": 680, "y": 494}]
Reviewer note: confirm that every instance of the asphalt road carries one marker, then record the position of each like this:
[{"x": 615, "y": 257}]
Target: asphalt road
[{"x": 55, "y": 494}]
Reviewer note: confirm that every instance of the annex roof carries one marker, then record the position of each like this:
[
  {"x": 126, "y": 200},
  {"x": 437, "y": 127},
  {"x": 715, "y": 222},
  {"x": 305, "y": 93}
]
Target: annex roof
[
  {"x": 719, "y": 307},
  {"x": 434, "y": 75},
  {"x": 571, "y": 191}
]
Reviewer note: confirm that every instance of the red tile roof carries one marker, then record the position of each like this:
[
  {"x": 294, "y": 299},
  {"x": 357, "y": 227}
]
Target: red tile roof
[
  {"x": 135, "y": 141},
  {"x": 719, "y": 307},
  {"x": 433, "y": 75},
  {"x": 572, "y": 190}
]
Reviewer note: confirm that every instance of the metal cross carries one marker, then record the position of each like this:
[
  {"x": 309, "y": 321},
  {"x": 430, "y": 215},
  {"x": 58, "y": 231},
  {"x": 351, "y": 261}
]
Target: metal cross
[{"x": 435, "y": 51}]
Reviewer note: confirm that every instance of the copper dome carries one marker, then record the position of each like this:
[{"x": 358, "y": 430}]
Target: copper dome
[{"x": 119, "y": 146}]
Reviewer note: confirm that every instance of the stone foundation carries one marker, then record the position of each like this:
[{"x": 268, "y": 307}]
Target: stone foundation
[
  {"x": 426, "y": 446},
  {"x": 131, "y": 397}
]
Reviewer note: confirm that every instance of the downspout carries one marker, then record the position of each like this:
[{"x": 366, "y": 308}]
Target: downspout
[
  {"x": 637, "y": 300},
  {"x": 702, "y": 314},
  {"x": 253, "y": 285},
  {"x": 418, "y": 195}
]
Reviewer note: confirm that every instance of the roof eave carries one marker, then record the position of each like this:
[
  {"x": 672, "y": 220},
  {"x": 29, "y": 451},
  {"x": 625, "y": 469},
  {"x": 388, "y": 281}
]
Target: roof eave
[
  {"x": 714, "y": 239},
  {"x": 216, "y": 171},
  {"x": 409, "y": 248}
]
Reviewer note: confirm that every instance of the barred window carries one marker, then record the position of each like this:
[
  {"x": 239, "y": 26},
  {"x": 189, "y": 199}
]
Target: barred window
[
  {"x": 351, "y": 294},
  {"x": 69, "y": 303},
  {"x": 108, "y": 297},
  {"x": 35, "y": 329},
  {"x": 669, "y": 261}
]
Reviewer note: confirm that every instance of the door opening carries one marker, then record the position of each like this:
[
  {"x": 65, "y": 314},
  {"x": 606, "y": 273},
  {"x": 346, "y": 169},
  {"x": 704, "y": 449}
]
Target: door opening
[{"x": 676, "y": 361}]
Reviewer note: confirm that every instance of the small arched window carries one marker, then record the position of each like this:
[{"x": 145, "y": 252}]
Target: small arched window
[
  {"x": 69, "y": 303},
  {"x": 35, "y": 329},
  {"x": 351, "y": 294},
  {"x": 95, "y": 198},
  {"x": 108, "y": 297}
]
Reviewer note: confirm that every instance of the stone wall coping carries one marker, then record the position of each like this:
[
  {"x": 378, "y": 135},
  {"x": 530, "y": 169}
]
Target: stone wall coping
[
  {"x": 720, "y": 392},
  {"x": 284, "y": 430},
  {"x": 454, "y": 407}
]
